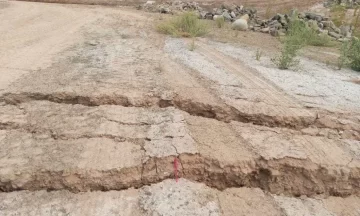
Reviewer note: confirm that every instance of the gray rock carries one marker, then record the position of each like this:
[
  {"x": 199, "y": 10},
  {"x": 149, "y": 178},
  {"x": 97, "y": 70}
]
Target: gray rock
[
  {"x": 336, "y": 30},
  {"x": 232, "y": 14},
  {"x": 274, "y": 32},
  {"x": 345, "y": 30},
  {"x": 218, "y": 17},
  {"x": 245, "y": 17},
  {"x": 320, "y": 25},
  {"x": 203, "y": 14},
  {"x": 275, "y": 24},
  {"x": 313, "y": 16},
  {"x": 164, "y": 10},
  {"x": 226, "y": 15},
  {"x": 209, "y": 16},
  {"x": 343, "y": 39},
  {"x": 265, "y": 30},
  {"x": 257, "y": 28},
  {"x": 328, "y": 24},
  {"x": 240, "y": 24},
  {"x": 150, "y": 3},
  {"x": 218, "y": 11},
  {"x": 283, "y": 21},
  {"x": 334, "y": 35}
]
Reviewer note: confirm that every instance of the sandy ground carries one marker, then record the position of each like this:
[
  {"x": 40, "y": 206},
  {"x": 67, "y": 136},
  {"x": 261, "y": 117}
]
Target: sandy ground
[{"x": 98, "y": 112}]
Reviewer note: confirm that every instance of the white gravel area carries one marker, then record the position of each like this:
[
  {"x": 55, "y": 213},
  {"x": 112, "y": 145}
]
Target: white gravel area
[{"x": 314, "y": 83}]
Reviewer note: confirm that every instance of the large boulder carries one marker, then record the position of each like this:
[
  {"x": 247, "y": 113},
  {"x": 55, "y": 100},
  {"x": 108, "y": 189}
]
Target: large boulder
[
  {"x": 334, "y": 35},
  {"x": 240, "y": 25},
  {"x": 345, "y": 31},
  {"x": 245, "y": 17},
  {"x": 215, "y": 17}
]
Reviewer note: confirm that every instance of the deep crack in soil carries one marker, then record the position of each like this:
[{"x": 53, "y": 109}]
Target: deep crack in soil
[
  {"x": 221, "y": 113},
  {"x": 287, "y": 176}
]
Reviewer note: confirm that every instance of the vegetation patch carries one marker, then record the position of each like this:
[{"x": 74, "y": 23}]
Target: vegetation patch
[
  {"x": 185, "y": 25},
  {"x": 298, "y": 36},
  {"x": 350, "y": 55}
]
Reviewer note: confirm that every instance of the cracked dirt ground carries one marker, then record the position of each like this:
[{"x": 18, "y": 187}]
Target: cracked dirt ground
[{"x": 95, "y": 106}]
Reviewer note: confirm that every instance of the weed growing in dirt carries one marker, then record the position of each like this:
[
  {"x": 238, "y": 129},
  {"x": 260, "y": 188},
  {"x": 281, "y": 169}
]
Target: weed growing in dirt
[
  {"x": 258, "y": 54},
  {"x": 350, "y": 55},
  {"x": 298, "y": 36},
  {"x": 220, "y": 21},
  {"x": 185, "y": 25},
  {"x": 192, "y": 45},
  {"x": 293, "y": 42},
  {"x": 322, "y": 40},
  {"x": 342, "y": 60}
]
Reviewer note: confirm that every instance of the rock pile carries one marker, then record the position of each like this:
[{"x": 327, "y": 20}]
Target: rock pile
[
  {"x": 278, "y": 25},
  {"x": 275, "y": 26},
  {"x": 347, "y": 3},
  {"x": 229, "y": 12}
]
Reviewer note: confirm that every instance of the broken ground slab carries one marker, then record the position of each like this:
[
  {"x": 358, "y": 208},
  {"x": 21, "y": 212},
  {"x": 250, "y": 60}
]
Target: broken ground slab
[
  {"x": 174, "y": 198},
  {"x": 48, "y": 145},
  {"x": 258, "y": 98},
  {"x": 117, "y": 59}
]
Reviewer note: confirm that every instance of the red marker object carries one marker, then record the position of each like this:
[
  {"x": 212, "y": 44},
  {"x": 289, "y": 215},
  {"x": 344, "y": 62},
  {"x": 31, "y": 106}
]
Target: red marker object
[{"x": 176, "y": 169}]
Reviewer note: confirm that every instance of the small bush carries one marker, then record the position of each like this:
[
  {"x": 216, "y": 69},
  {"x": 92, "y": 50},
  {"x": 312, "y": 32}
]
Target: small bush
[
  {"x": 293, "y": 42},
  {"x": 343, "y": 59},
  {"x": 322, "y": 40},
  {"x": 354, "y": 54},
  {"x": 298, "y": 36},
  {"x": 220, "y": 21},
  {"x": 192, "y": 45},
  {"x": 350, "y": 55},
  {"x": 186, "y": 25},
  {"x": 287, "y": 57},
  {"x": 258, "y": 54}
]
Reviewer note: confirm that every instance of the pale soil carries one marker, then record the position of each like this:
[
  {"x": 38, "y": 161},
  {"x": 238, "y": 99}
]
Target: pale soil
[
  {"x": 95, "y": 103},
  {"x": 184, "y": 198}
]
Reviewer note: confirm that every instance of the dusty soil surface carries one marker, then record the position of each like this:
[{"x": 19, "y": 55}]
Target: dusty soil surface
[
  {"x": 264, "y": 6},
  {"x": 96, "y": 110}
]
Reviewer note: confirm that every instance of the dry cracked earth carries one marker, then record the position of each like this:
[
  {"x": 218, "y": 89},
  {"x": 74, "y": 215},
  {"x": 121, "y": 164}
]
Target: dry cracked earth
[{"x": 95, "y": 107}]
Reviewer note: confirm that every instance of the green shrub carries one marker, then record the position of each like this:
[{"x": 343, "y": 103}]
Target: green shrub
[
  {"x": 350, "y": 55},
  {"x": 343, "y": 58},
  {"x": 192, "y": 45},
  {"x": 220, "y": 21},
  {"x": 294, "y": 40},
  {"x": 185, "y": 25},
  {"x": 287, "y": 57},
  {"x": 258, "y": 54},
  {"x": 298, "y": 36},
  {"x": 354, "y": 54},
  {"x": 322, "y": 40}
]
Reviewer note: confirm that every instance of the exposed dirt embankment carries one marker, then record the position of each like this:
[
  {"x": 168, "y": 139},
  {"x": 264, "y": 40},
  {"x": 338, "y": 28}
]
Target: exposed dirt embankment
[
  {"x": 289, "y": 177},
  {"x": 80, "y": 148},
  {"x": 306, "y": 125}
]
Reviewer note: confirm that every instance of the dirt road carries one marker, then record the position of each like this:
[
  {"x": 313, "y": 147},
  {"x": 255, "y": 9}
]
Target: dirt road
[{"x": 95, "y": 107}]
